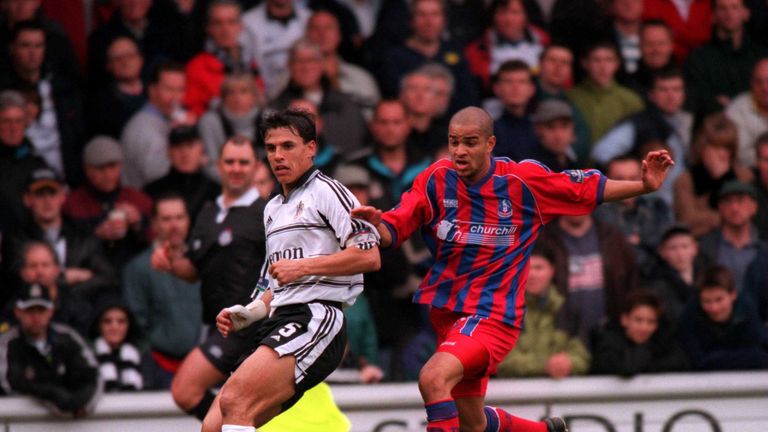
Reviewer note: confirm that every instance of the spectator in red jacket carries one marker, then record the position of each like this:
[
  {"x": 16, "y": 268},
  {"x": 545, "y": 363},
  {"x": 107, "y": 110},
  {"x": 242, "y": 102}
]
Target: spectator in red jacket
[
  {"x": 226, "y": 51},
  {"x": 692, "y": 27}
]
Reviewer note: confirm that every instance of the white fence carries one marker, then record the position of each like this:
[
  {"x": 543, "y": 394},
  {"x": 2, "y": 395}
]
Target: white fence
[{"x": 717, "y": 402}]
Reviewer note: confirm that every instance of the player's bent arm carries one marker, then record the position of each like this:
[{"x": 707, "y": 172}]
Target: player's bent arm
[
  {"x": 654, "y": 170},
  {"x": 350, "y": 261},
  {"x": 372, "y": 215}
]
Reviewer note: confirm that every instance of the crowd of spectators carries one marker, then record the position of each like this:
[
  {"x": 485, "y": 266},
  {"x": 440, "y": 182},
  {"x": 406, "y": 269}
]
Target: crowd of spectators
[{"x": 113, "y": 113}]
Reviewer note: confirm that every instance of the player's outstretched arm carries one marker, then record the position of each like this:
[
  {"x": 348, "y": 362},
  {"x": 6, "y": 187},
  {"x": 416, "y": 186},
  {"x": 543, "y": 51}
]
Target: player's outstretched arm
[
  {"x": 350, "y": 261},
  {"x": 372, "y": 215},
  {"x": 656, "y": 165}
]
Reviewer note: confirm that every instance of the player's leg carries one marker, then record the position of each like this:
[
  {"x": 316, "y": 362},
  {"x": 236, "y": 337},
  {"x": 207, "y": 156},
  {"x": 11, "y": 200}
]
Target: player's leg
[
  {"x": 257, "y": 389},
  {"x": 436, "y": 379},
  {"x": 212, "y": 421},
  {"x": 192, "y": 383}
]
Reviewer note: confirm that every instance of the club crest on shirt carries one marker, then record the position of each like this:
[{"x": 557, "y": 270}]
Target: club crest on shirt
[
  {"x": 577, "y": 176},
  {"x": 225, "y": 238},
  {"x": 505, "y": 208},
  {"x": 299, "y": 210}
]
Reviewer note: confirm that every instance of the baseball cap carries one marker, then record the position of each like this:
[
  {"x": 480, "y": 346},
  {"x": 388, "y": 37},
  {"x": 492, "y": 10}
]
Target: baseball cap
[
  {"x": 34, "y": 294},
  {"x": 102, "y": 150},
  {"x": 552, "y": 109},
  {"x": 352, "y": 175},
  {"x": 733, "y": 187},
  {"x": 42, "y": 178},
  {"x": 183, "y": 134}
]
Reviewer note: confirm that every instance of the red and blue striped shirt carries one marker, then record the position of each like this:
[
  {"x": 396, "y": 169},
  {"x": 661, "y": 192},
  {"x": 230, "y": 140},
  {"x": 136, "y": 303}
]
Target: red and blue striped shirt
[{"x": 481, "y": 235}]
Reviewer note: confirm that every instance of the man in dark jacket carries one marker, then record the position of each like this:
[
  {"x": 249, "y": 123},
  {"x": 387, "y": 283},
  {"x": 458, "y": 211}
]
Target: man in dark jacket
[
  {"x": 48, "y": 361},
  {"x": 85, "y": 268}
]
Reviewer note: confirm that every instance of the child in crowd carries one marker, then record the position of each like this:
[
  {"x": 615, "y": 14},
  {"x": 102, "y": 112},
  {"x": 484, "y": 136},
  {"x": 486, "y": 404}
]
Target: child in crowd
[
  {"x": 543, "y": 349},
  {"x": 720, "y": 329},
  {"x": 119, "y": 358},
  {"x": 640, "y": 342}
]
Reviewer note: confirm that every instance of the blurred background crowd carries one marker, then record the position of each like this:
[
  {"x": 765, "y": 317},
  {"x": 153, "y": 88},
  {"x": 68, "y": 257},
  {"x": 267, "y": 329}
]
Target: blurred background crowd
[{"x": 113, "y": 112}]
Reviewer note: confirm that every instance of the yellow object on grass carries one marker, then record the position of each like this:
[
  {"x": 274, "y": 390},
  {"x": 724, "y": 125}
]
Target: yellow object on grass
[{"x": 316, "y": 411}]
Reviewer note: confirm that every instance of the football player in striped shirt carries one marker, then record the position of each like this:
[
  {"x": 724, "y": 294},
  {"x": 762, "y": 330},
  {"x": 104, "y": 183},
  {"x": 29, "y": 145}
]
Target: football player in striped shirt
[
  {"x": 316, "y": 254},
  {"x": 480, "y": 216}
]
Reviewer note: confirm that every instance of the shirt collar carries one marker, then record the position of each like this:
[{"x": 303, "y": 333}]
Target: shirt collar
[
  {"x": 245, "y": 199},
  {"x": 303, "y": 180}
]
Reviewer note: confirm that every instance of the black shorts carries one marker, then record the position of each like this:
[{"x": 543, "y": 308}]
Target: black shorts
[
  {"x": 226, "y": 353},
  {"x": 315, "y": 334}
]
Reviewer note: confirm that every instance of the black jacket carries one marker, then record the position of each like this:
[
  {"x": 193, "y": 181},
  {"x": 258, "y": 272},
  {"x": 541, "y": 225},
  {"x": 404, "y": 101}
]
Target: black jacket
[{"x": 66, "y": 376}]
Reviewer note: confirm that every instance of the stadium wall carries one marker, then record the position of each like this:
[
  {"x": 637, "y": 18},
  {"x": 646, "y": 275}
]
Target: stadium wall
[{"x": 702, "y": 402}]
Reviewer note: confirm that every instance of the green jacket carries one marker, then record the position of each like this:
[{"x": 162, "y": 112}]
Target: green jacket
[
  {"x": 603, "y": 108},
  {"x": 541, "y": 339}
]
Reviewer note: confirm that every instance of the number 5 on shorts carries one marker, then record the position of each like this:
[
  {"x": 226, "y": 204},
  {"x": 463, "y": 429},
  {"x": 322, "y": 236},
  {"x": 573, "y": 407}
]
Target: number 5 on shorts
[{"x": 289, "y": 329}]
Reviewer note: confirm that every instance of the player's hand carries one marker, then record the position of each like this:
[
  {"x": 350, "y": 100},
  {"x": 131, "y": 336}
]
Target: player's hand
[
  {"x": 243, "y": 316},
  {"x": 371, "y": 374},
  {"x": 287, "y": 271},
  {"x": 369, "y": 214},
  {"x": 655, "y": 168},
  {"x": 559, "y": 365},
  {"x": 224, "y": 322},
  {"x": 161, "y": 258}
]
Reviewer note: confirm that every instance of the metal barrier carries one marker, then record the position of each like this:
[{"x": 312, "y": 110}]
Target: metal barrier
[{"x": 701, "y": 402}]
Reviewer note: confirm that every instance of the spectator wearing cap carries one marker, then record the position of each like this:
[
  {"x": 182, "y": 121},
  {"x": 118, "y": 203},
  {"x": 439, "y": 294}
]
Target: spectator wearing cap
[
  {"x": 17, "y": 157},
  {"x": 663, "y": 119},
  {"x": 84, "y": 268},
  {"x": 46, "y": 360},
  {"x": 553, "y": 124},
  {"x": 145, "y": 136},
  {"x": 120, "y": 214},
  {"x": 38, "y": 263},
  {"x": 115, "y": 103},
  {"x": 714, "y": 152},
  {"x": 736, "y": 243},
  {"x": 554, "y": 78},
  {"x": 56, "y": 132},
  {"x": 186, "y": 176}
]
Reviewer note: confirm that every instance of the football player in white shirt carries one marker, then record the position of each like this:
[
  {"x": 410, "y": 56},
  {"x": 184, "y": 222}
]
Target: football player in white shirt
[{"x": 316, "y": 254}]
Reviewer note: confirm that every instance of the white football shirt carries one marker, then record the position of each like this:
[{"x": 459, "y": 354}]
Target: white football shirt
[{"x": 314, "y": 220}]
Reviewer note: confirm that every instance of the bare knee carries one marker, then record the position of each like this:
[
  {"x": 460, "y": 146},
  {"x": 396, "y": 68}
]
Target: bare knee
[
  {"x": 432, "y": 383},
  {"x": 185, "y": 393}
]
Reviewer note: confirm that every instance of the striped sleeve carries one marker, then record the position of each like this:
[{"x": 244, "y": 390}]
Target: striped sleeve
[{"x": 335, "y": 204}]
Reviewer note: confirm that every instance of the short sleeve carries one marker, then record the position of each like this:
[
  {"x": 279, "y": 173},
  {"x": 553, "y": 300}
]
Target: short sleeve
[
  {"x": 412, "y": 212},
  {"x": 335, "y": 206},
  {"x": 567, "y": 193}
]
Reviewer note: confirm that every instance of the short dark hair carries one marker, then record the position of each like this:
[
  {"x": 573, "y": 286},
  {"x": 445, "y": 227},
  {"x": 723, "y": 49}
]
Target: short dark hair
[
  {"x": 602, "y": 44},
  {"x": 220, "y": 3},
  {"x": 298, "y": 121},
  {"x": 657, "y": 22},
  {"x": 641, "y": 297},
  {"x": 675, "y": 231},
  {"x": 543, "y": 250},
  {"x": 552, "y": 46},
  {"x": 167, "y": 196},
  {"x": 514, "y": 65},
  {"x": 667, "y": 74},
  {"x": 26, "y": 25},
  {"x": 715, "y": 277},
  {"x": 164, "y": 66}
]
